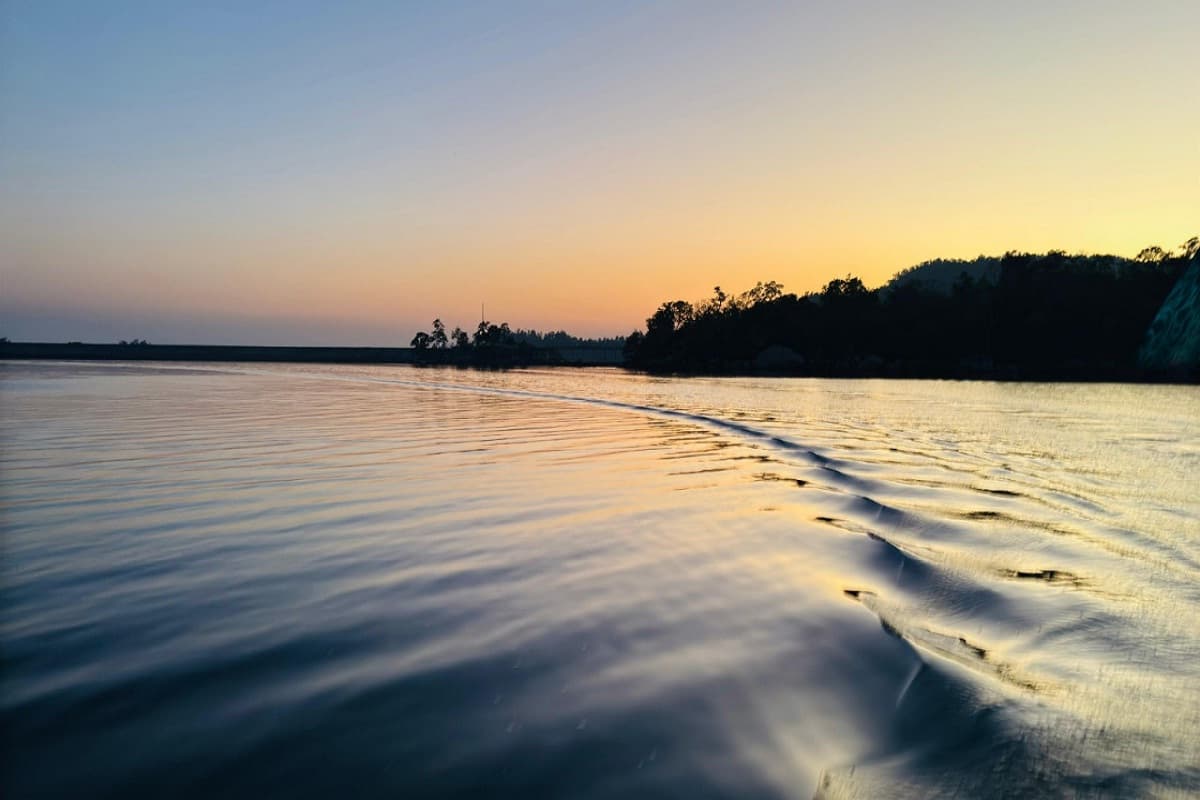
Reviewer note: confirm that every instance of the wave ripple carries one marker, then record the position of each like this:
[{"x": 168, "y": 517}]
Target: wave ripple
[{"x": 302, "y": 580}]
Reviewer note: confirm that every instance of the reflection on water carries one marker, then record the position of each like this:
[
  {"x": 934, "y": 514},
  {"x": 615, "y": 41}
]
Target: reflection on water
[{"x": 232, "y": 581}]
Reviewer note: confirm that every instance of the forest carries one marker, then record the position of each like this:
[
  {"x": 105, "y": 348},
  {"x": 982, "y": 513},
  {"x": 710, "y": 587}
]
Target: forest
[{"x": 1019, "y": 316}]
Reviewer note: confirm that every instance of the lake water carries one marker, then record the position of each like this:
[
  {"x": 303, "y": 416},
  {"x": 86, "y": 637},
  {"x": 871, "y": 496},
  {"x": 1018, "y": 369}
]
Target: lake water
[{"x": 232, "y": 581}]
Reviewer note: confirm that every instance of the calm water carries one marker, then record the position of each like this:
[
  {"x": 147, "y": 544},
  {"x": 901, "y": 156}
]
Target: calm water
[{"x": 391, "y": 582}]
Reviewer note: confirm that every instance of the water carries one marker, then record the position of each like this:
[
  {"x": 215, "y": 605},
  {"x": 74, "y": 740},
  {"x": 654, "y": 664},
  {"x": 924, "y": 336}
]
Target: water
[{"x": 393, "y": 582}]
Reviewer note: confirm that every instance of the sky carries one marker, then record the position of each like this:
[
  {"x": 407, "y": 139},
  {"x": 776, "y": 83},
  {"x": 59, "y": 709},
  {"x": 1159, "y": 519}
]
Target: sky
[{"x": 343, "y": 172}]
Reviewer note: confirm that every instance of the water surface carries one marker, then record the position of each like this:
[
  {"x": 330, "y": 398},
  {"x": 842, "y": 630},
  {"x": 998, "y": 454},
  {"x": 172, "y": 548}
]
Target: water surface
[{"x": 388, "y": 581}]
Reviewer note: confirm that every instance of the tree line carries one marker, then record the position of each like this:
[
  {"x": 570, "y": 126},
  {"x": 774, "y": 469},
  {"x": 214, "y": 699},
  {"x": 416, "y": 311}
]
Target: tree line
[
  {"x": 1022, "y": 315},
  {"x": 498, "y": 345}
]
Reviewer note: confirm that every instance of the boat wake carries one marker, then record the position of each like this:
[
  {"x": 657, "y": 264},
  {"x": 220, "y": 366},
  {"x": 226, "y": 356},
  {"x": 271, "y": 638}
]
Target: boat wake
[{"x": 586, "y": 584}]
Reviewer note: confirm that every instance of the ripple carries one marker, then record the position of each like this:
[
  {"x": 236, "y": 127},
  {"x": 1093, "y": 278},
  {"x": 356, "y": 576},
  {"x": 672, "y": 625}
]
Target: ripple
[{"x": 566, "y": 583}]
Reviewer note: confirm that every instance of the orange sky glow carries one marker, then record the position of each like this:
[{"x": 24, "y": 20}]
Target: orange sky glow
[{"x": 346, "y": 180}]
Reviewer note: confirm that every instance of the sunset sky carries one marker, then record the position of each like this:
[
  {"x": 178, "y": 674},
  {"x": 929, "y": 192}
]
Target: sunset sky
[{"x": 341, "y": 173}]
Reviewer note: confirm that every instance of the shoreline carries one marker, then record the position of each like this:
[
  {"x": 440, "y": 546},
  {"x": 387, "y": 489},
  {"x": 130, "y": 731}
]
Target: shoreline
[
  {"x": 84, "y": 351},
  {"x": 579, "y": 357}
]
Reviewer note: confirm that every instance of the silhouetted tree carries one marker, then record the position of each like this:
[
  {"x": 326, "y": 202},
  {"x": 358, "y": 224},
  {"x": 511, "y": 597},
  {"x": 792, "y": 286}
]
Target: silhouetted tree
[
  {"x": 839, "y": 288},
  {"x": 717, "y": 304},
  {"x": 633, "y": 343},
  {"x": 767, "y": 292},
  {"x": 438, "y": 338},
  {"x": 489, "y": 335}
]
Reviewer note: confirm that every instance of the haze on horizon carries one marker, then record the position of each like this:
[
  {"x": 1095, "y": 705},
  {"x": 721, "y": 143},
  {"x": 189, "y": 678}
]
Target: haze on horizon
[{"x": 341, "y": 173}]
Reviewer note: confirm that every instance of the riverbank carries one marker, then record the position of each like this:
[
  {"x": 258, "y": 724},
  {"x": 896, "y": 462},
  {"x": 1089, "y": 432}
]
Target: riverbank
[
  {"x": 81, "y": 351},
  {"x": 588, "y": 357}
]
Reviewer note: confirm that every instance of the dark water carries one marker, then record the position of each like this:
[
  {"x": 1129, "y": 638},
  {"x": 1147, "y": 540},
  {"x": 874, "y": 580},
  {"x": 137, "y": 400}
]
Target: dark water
[{"x": 390, "y": 582}]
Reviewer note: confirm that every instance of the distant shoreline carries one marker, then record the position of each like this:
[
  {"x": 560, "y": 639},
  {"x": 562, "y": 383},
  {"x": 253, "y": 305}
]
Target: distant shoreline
[{"x": 81, "y": 351}]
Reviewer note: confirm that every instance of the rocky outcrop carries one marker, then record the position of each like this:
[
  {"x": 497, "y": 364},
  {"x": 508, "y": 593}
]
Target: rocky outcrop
[{"x": 1172, "y": 343}]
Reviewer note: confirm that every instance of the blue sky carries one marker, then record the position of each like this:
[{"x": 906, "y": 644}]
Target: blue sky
[{"x": 341, "y": 173}]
